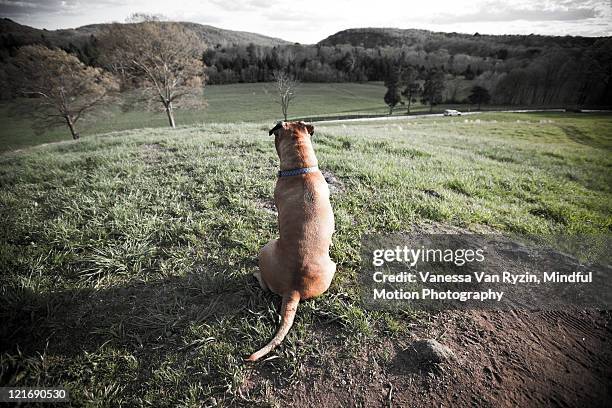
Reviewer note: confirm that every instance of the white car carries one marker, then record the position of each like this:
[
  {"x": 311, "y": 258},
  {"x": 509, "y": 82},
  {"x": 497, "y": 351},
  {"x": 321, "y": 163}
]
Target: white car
[{"x": 452, "y": 112}]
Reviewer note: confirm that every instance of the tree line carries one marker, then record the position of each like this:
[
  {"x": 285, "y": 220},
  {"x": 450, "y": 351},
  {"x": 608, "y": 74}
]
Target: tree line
[
  {"x": 517, "y": 75},
  {"x": 516, "y": 70},
  {"x": 405, "y": 87}
]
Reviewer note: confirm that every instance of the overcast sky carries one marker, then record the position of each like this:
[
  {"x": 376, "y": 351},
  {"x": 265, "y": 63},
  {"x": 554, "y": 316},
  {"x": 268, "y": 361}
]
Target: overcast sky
[{"x": 311, "y": 21}]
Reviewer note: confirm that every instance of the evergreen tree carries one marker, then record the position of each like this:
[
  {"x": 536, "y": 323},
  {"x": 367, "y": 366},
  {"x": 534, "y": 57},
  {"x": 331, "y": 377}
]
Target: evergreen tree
[
  {"x": 479, "y": 95},
  {"x": 392, "y": 82},
  {"x": 433, "y": 88},
  {"x": 412, "y": 88}
]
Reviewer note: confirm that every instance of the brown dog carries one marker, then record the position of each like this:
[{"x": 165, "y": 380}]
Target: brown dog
[{"x": 297, "y": 265}]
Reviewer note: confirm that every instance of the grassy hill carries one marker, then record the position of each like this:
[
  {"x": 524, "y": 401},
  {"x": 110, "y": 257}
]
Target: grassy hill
[{"x": 126, "y": 258}]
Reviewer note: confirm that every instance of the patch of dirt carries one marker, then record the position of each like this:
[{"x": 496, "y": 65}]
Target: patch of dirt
[
  {"x": 518, "y": 358},
  {"x": 433, "y": 193},
  {"x": 267, "y": 204},
  {"x": 151, "y": 152},
  {"x": 502, "y": 359},
  {"x": 336, "y": 186}
]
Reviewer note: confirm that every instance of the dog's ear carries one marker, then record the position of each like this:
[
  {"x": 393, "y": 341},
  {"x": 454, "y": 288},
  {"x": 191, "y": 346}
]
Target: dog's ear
[
  {"x": 310, "y": 129},
  {"x": 279, "y": 124}
]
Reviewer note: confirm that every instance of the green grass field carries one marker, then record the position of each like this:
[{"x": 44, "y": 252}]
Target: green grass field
[
  {"x": 127, "y": 257},
  {"x": 225, "y": 104}
]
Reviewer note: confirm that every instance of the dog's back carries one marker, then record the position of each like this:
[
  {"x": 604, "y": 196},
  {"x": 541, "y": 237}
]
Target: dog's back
[{"x": 306, "y": 225}]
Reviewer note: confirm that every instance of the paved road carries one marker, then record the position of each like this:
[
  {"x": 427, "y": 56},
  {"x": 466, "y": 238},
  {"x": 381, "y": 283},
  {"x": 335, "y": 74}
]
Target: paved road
[{"x": 437, "y": 115}]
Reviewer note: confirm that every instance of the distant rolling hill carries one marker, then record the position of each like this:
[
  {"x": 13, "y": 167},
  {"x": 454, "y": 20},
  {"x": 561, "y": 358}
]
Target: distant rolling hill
[
  {"x": 13, "y": 34},
  {"x": 396, "y": 37}
]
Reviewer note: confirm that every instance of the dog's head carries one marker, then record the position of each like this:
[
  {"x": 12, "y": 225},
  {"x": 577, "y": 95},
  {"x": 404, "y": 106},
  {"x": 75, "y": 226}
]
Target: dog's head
[
  {"x": 288, "y": 134},
  {"x": 283, "y": 128}
]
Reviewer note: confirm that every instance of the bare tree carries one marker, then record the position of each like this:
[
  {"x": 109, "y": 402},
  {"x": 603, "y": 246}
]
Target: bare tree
[
  {"x": 286, "y": 86},
  {"x": 139, "y": 17},
  {"x": 61, "y": 88},
  {"x": 161, "y": 58}
]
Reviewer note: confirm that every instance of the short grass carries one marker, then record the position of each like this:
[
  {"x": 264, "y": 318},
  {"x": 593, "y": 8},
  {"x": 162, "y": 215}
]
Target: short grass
[
  {"x": 126, "y": 258},
  {"x": 225, "y": 104}
]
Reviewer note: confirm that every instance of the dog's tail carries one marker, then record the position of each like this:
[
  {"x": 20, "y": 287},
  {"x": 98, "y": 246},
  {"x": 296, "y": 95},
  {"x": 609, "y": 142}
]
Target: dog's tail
[{"x": 290, "y": 304}]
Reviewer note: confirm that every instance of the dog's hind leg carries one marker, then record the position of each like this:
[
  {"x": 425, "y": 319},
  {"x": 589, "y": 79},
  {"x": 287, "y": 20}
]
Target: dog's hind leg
[{"x": 267, "y": 265}]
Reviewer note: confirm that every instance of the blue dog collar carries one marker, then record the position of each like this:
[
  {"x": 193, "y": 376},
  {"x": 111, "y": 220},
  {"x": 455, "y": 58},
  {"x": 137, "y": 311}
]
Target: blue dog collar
[{"x": 297, "y": 172}]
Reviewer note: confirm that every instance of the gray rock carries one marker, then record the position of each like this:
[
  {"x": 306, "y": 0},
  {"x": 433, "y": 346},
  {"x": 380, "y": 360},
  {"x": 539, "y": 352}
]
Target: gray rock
[{"x": 429, "y": 351}]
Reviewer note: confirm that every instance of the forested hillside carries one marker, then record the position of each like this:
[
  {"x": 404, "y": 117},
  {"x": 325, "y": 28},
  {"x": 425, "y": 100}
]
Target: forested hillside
[
  {"x": 514, "y": 69},
  {"x": 518, "y": 70},
  {"x": 82, "y": 40}
]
